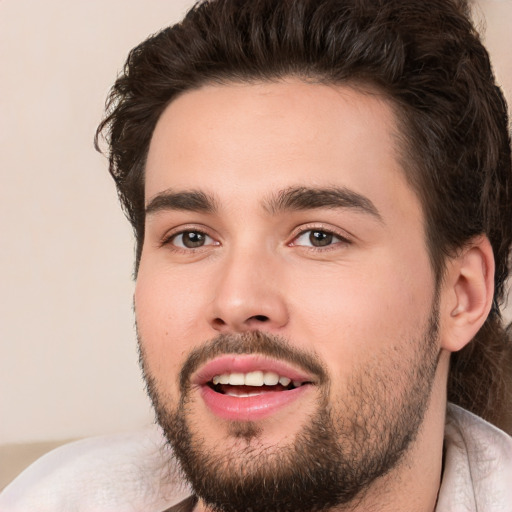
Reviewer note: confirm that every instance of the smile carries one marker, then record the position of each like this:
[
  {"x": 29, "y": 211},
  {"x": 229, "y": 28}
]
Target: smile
[
  {"x": 254, "y": 379},
  {"x": 249, "y": 388}
]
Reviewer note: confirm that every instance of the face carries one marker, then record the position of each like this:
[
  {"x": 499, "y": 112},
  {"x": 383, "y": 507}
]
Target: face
[{"x": 285, "y": 301}]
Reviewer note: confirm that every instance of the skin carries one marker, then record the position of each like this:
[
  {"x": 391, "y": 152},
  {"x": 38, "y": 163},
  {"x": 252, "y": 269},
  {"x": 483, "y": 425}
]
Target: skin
[{"x": 353, "y": 302}]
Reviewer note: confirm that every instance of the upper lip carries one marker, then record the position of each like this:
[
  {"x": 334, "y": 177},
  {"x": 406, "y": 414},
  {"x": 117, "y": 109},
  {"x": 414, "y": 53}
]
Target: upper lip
[{"x": 245, "y": 363}]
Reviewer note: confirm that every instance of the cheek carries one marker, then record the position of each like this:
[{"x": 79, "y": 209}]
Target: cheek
[
  {"x": 166, "y": 309},
  {"x": 359, "y": 311}
]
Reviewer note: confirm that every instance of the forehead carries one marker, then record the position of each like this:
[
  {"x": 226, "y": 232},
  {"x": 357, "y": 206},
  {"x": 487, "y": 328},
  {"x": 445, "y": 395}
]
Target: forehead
[{"x": 245, "y": 140}]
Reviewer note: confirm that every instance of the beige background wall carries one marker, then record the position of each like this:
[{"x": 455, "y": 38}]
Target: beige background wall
[
  {"x": 68, "y": 363},
  {"x": 67, "y": 348}
]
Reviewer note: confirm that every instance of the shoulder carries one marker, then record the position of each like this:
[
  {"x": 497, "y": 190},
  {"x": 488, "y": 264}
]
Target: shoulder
[
  {"x": 129, "y": 472},
  {"x": 478, "y": 465}
]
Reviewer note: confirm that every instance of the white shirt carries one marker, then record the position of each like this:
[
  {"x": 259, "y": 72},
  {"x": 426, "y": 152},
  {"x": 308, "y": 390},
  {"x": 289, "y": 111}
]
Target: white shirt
[{"x": 132, "y": 473}]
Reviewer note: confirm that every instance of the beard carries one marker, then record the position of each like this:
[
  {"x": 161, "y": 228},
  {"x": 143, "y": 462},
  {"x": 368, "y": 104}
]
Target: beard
[{"x": 354, "y": 436}]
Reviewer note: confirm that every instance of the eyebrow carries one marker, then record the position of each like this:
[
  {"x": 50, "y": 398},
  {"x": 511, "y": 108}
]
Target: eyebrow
[
  {"x": 290, "y": 199},
  {"x": 306, "y": 198},
  {"x": 188, "y": 200}
]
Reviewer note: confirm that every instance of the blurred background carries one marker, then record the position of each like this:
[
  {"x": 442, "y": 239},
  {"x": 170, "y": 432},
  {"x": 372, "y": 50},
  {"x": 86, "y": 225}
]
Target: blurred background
[{"x": 68, "y": 359}]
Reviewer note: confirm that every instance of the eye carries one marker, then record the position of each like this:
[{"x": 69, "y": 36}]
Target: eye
[
  {"x": 317, "y": 238},
  {"x": 191, "y": 240}
]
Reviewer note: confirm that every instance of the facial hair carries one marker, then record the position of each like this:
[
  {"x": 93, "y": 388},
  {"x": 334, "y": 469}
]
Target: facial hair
[{"x": 355, "y": 435}]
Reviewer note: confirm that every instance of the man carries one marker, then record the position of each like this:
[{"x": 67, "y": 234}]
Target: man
[{"x": 321, "y": 194}]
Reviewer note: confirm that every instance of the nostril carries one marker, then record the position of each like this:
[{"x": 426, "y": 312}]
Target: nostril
[
  {"x": 249, "y": 323},
  {"x": 260, "y": 318},
  {"x": 218, "y": 322}
]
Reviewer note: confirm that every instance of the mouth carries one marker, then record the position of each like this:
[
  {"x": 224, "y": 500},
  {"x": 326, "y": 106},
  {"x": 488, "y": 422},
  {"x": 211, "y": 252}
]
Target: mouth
[
  {"x": 249, "y": 388},
  {"x": 255, "y": 383}
]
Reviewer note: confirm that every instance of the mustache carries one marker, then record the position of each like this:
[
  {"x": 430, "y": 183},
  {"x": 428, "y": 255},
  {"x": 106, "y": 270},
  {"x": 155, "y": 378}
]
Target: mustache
[{"x": 254, "y": 342}]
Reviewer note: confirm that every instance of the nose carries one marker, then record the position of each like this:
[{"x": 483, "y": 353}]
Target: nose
[{"x": 248, "y": 295}]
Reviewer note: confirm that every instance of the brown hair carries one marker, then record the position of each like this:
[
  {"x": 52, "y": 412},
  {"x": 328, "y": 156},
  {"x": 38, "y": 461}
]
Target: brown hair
[{"x": 425, "y": 57}]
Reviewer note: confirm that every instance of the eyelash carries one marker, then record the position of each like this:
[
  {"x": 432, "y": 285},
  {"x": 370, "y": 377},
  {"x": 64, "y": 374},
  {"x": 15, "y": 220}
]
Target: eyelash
[
  {"x": 168, "y": 240},
  {"x": 341, "y": 239}
]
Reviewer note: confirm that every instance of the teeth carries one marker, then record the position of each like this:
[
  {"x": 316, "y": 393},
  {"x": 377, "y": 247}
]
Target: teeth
[
  {"x": 270, "y": 378},
  {"x": 243, "y": 395},
  {"x": 256, "y": 378},
  {"x": 284, "y": 381},
  {"x": 236, "y": 379}
]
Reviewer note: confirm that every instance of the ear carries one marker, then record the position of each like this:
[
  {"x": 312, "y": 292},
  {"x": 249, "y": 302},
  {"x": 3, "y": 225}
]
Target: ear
[{"x": 467, "y": 293}]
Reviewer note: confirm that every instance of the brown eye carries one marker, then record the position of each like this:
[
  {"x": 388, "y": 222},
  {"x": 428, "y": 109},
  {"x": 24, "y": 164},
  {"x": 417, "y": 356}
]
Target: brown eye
[
  {"x": 320, "y": 238},
  {"x": 191, "y": 239}
]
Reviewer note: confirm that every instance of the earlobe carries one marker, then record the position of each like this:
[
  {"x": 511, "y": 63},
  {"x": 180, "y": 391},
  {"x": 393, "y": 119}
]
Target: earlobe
[{"x": 469, "y": 290}]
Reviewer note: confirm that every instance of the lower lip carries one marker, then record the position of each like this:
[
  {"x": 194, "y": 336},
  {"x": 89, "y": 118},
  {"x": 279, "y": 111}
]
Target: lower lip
[{"x": 250, "y": 408}]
